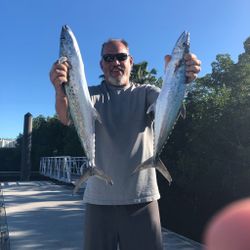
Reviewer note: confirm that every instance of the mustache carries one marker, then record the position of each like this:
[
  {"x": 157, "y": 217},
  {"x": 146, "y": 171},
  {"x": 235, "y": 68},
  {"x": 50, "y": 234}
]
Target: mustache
[{"x": 118, "y": 68}]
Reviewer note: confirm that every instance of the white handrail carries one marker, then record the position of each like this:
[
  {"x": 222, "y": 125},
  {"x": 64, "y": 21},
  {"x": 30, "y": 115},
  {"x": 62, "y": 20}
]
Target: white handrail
[{"x": 63, "y": 168}]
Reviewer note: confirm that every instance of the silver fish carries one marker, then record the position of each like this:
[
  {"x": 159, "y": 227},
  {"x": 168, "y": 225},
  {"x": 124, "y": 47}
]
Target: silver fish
[
  {"x": 81, "y": 108},
  {"x": 168, "y": 104}
]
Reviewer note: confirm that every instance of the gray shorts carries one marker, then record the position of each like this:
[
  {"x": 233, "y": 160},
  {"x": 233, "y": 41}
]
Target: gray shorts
[{"x": 132, "y": 227}]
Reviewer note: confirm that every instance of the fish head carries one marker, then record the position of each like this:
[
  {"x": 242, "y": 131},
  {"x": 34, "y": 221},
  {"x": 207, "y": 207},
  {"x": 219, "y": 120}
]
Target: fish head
[
  {"x": 183, "y": 43},
  {"x": 68, "y": 43}
]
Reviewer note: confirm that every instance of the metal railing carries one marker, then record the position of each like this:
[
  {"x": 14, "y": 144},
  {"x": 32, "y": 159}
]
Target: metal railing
[
  {"x": 63, "y": 168},
  {"x": 4, "y": 237}
]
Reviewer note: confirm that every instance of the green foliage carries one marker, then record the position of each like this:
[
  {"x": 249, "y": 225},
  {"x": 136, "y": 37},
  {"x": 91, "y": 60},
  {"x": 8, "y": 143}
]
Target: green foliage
[
  {"x": 51, "y": 138},
  {"x": 10, "y": 159},
  {"x": 209, "y": 152},
  {"x": 141, "y": 75}
]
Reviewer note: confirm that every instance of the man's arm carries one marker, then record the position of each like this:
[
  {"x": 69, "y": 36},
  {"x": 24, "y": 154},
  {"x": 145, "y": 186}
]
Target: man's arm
[{"x": 58, "y": 76}]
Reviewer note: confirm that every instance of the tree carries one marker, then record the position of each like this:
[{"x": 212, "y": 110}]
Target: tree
[
  {"x": 51, "y": 138},
  {"x": 140, "y": 74}
]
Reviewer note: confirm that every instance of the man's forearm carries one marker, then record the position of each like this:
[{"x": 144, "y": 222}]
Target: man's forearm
[{"x": 62, "y": 108}]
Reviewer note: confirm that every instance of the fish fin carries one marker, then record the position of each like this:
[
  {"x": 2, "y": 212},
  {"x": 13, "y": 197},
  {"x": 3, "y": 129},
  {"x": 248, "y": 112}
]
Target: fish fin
[
  {"x": 167, "y": 60},
  {"x": 146, "y": 164},
  {"x": 88, "y": 172},
  {"x": 97, "y": 115},
  {"x": 85, "y": 175},
  {"x": 183, "y": 112},
  {"x": 163, "y": 170},
  {"x": 159, "y": 165},
  {"x": 151, "y": 108},
  {"x": 101, "y": 175}
]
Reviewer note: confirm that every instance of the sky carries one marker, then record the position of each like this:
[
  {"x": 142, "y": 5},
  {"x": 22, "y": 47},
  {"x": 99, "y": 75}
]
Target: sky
[{"x": 30, "y": 30}]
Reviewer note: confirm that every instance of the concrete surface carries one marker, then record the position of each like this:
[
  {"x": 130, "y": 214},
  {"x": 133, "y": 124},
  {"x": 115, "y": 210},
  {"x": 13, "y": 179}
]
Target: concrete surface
[{"x": 44, "y": 216}]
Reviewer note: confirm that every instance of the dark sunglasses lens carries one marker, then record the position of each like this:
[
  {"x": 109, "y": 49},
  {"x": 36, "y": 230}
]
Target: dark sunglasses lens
[
  {"x": 121, "y": 57},
  {"x": 110, "y": 58}
]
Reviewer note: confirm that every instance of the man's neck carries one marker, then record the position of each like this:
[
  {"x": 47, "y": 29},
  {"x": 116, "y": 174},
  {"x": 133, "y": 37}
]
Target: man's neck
[{"x": 119, "y": 85}]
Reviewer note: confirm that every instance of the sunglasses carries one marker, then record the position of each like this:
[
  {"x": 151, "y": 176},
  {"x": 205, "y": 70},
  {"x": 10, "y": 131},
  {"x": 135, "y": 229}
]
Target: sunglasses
[{"x": 112, "y": 57}]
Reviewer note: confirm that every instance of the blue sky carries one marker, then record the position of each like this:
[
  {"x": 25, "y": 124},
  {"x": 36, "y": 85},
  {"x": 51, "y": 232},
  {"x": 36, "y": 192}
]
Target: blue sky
[{"x": 30, "y": 30}]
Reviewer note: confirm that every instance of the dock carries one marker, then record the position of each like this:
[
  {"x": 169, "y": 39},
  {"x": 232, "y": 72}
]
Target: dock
[{"x": 43, "y": 215}]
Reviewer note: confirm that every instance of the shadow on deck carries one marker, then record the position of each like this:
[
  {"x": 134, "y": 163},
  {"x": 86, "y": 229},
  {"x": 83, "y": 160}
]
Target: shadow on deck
[{"x": 43, "y": 215}]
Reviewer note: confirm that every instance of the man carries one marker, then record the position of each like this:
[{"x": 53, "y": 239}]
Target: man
[{"x": 126, "y": 213}]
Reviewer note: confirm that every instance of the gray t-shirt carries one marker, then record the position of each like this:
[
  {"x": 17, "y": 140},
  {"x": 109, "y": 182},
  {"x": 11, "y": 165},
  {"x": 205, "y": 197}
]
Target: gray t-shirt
[{"x": 124, "y": 139}]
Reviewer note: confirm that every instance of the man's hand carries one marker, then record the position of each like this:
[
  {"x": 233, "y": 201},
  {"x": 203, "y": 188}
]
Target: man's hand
[
  {"x": 193, "y": 67},
  {"x": 192, "y": 63},
  {"x": 59, "y": 75}
]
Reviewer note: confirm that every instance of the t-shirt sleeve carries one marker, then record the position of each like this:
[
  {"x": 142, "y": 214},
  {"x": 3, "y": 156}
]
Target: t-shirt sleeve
[{"x": 152, "y": 94}]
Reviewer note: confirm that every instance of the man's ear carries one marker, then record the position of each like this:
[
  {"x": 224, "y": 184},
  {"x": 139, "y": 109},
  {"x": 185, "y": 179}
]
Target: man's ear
[
  {"x": 131, "y": 59},
  {"x": 101, "y": 65}
]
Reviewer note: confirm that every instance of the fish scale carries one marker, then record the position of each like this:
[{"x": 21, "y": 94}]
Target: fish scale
[
  {"x": 81, "y": 108},
  {"x": 168, "y": 104}
]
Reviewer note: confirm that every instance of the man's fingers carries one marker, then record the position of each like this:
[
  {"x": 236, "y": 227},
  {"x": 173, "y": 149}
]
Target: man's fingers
[
  {"x": 62, "y": 66},
  {"x": 193, "y": 62},
  {"x": 167, "y": 59},
  {"x": 190, "y": 76},
  {"x": 193, "y": 68},
  {"x": 190, "y": 56},
  {"x": 191, "y": 59},
  {"x": 59, "y": 73},
  {"x": 61, "y": 62}
]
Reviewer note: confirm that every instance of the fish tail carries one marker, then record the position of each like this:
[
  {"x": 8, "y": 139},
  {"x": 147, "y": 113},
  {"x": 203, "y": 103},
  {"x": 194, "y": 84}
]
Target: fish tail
[
  {"x": 84, "y": 177},
  {"x": 91, "y": 171},
  {"x": 145, "y": 165},
  {"x": 101, "y": 175},
  {"x": 163, "y": 170},
  {"x": 158, "y": 164}
]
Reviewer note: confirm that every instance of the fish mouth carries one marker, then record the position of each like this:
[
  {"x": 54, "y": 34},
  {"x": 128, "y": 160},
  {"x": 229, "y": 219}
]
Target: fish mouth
[
  {"x": 66, "y": 28},
  {"x": 184, "y": 39},
  {"x": 65, "y": 32}
]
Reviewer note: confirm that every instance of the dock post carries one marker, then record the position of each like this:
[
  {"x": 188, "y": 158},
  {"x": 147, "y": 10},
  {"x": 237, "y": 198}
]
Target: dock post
[{"x": 26, "y": 148}]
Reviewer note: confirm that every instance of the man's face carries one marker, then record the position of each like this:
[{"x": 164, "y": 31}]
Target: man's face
[{"x": 117, "y": 66}]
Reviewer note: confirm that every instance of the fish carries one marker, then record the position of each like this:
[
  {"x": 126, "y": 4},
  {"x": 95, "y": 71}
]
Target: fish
[
  {"x": 168, "y": 104},
  {"x": 81, "y": 109}
]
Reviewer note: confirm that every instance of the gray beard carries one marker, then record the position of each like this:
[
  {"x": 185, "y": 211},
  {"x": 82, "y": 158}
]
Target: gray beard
[{"x": 115, "y": 81}]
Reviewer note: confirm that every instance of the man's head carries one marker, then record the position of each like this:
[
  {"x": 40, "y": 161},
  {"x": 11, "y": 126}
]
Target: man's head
[{"x": 116, "y": 63}]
